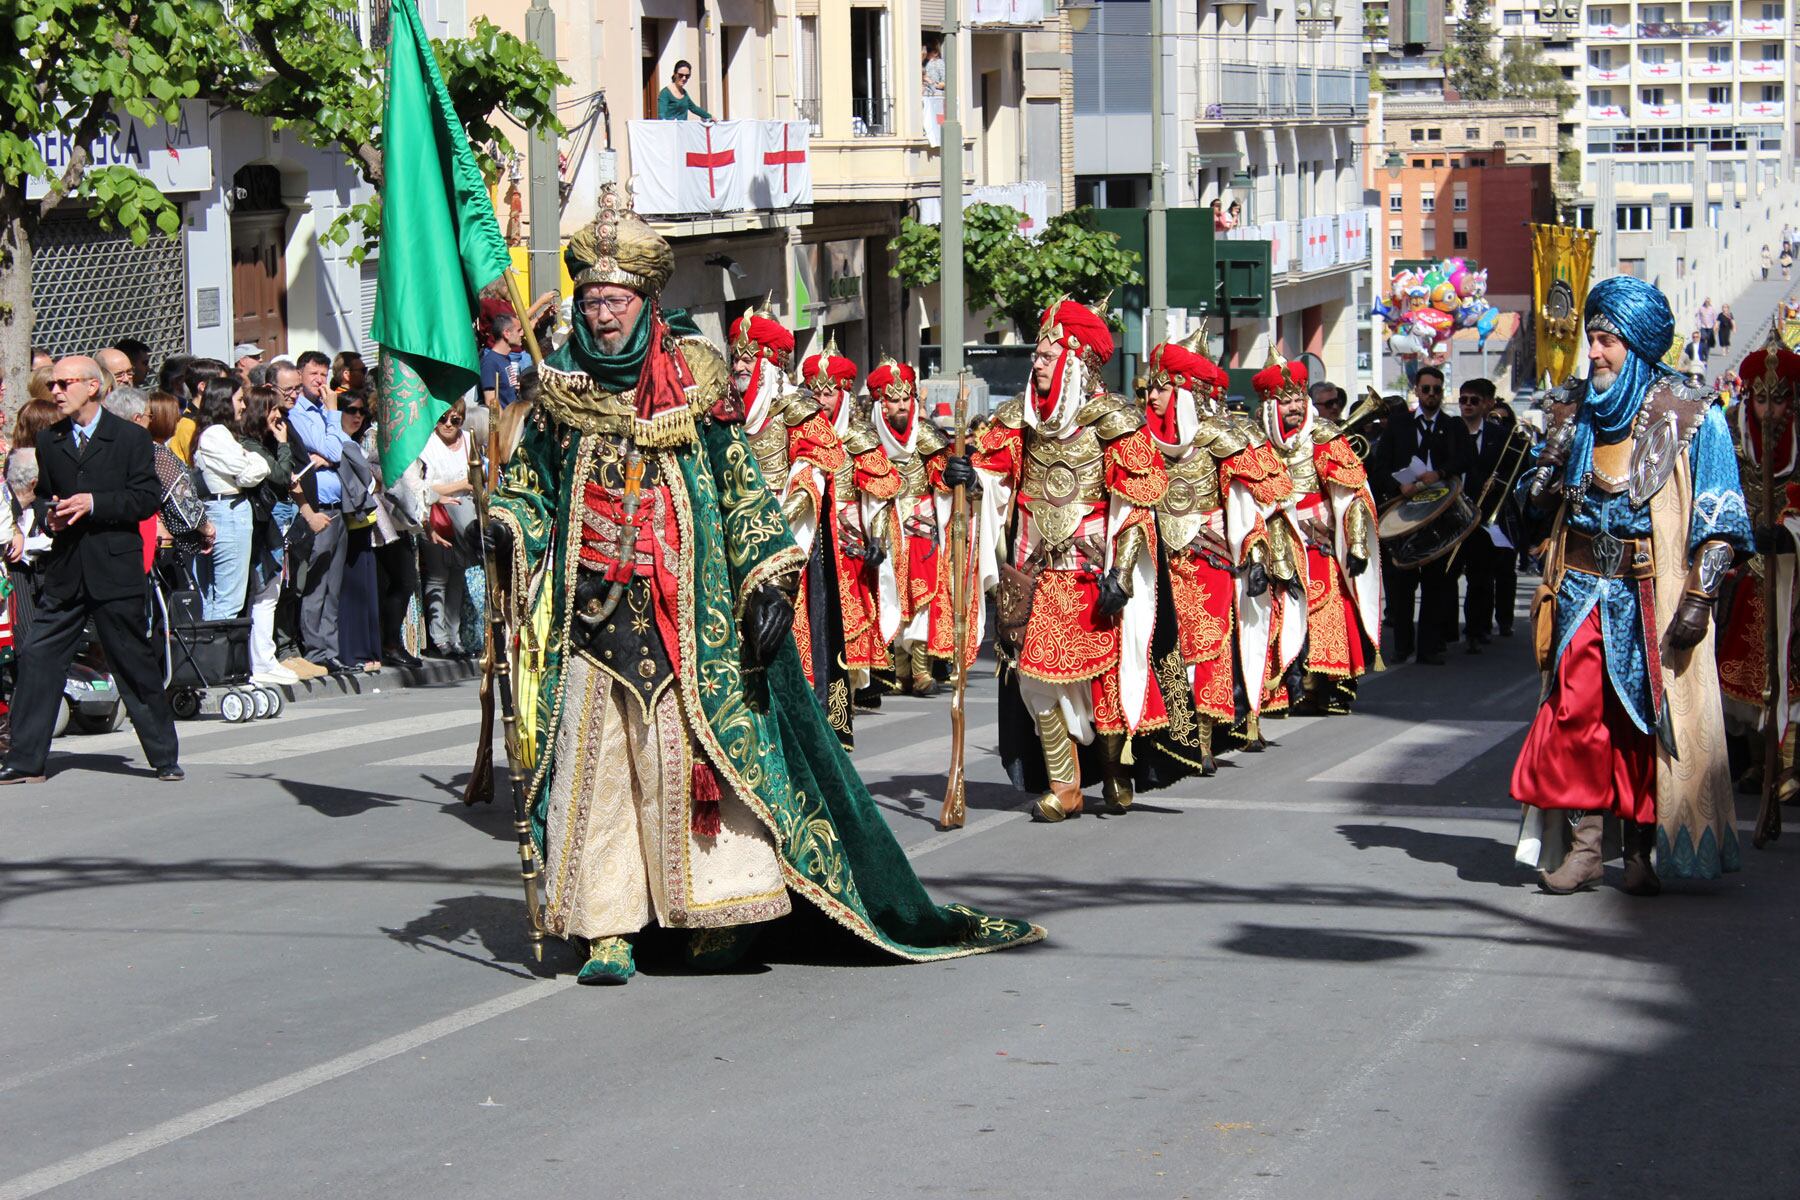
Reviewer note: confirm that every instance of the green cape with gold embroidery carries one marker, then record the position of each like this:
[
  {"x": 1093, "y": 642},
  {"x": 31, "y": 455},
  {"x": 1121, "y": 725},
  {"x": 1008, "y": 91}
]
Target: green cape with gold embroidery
[{"x": 776, "y": 749}]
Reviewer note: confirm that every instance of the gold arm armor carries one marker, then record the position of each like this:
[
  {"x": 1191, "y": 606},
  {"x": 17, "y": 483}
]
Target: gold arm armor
[
  {"x": 1359, "y": 532},
  {"x": 1125, "y": 554},
  {"x": 1011, "y": 413},
  {"x": 931, "y": 438},
  {"x": 795, "y": 505},
  {"x": 1283, "y": 562},
  {"x": 1220, "y": 438}
]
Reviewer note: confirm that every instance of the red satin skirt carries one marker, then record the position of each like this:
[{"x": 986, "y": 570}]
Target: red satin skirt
[{"x": 1583, "y": 752}]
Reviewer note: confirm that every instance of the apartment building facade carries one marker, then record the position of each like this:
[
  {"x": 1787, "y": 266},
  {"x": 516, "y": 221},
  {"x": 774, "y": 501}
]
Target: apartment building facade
[
  {"x": 1266, "y": 107},
  {"x": 827, "y": 106}
]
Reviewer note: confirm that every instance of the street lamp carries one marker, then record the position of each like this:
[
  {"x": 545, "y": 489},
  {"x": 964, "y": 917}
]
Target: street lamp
[
  {"x": 1079, "y": 12},
  {"x": 1395, "y": 163}
]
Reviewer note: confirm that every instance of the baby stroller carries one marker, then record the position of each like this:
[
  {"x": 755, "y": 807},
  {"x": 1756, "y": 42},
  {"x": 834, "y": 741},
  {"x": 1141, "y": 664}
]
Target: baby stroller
[{"x": 208, "y": 662}]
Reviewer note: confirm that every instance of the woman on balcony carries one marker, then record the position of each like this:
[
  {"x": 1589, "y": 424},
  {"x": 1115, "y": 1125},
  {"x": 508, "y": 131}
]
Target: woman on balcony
[{"x": 673, "y": 103}]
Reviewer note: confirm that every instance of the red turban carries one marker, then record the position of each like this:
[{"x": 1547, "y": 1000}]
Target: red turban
[
  {"x": 757, "y": 332},
  {"x": 1279, "y": 378},
  {"x": 889, "y": 374},
  {"x": 835, "y": 367},
  {"x": 1183, "y": 367},
  {"x": 1078, "y": 328}
]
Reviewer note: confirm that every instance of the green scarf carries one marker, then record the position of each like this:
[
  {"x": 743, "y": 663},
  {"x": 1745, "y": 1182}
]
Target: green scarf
[{"x": 617, "y": 372}]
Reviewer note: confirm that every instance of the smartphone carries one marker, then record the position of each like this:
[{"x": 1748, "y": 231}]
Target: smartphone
[{"x": 301, "y": 473}]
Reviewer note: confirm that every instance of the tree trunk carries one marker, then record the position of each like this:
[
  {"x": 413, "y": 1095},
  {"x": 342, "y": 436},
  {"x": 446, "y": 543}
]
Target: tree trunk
[{"x": 16, "y": 315}]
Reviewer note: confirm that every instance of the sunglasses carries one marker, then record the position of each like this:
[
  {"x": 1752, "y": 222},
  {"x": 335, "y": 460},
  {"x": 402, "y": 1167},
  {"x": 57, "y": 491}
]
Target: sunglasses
[
  {"x": 354, "y": 410},
  {"x": 449, "y": 421},
  {"x": 682, "y": 76},
  {"x": 57, "y": 385}
]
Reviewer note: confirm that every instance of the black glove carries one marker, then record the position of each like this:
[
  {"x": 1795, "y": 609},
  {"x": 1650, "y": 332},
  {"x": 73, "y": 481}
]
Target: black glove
[
  {"x": 875, "y": 553},
  {"x": 768, "y": 618},
  {"x": 1256, "y": 579},
  {"x": 1355, "y": 565},
  {"x": 497, "y": 541},
  {"x": 1112, "y": 594},
  {"x": 958, "y": 472},
  {"x": 1774, "y": 539},
  {"x": 1690, "y": 623}
]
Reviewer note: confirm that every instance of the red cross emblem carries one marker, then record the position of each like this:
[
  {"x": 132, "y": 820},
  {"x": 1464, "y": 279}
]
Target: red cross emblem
[
  {"x": 785, "y": 158},
  {"x": 1659, "y": 69},
  {"x": 711, "y": 162}
]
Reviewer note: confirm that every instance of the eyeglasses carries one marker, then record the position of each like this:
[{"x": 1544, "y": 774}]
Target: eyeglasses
[
  {"x": 293, "y": 390},
  {"x": 1041, "y": 357},
  {"x": 616, "y": 304}
]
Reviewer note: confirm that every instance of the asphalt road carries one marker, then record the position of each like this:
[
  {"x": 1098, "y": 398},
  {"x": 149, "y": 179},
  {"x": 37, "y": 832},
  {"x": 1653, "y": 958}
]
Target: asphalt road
[{"x": 303, "y": 973}]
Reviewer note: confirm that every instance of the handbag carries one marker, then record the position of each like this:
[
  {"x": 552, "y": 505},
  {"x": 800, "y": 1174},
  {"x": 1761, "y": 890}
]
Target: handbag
[{"x": 440, "y": 523}]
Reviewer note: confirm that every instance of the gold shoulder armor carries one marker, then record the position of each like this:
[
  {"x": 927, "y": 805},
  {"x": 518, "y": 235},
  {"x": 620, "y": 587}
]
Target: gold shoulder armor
[
  {"x": 1110, "y": 417},
  {"x": 931, "y": 437},
  {"x": 1011, "y": 413},
  {"x": 712, "y": 374},
  {"x": 1220, "y": 437},
  {"x": 860, "y": 438},
  {"x": 1324, "y": 431},
  {"x": 797, "y": 407}
]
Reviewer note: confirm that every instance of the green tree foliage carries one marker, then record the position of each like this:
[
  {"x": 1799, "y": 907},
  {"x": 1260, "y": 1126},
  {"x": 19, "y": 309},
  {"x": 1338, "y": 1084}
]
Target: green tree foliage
[
  {"x": 1525, "y": 74},
  {"x": 1469, "y": 64},
  {"x": 1011, "y": 275},
  {"x": 74, "y": 69}
]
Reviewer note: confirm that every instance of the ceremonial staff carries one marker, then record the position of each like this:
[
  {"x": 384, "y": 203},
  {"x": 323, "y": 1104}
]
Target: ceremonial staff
[
  {"x": 496, "y": 664},
  {"x": 1768, "y": 820},
  {"x": 954, "y": 808}
]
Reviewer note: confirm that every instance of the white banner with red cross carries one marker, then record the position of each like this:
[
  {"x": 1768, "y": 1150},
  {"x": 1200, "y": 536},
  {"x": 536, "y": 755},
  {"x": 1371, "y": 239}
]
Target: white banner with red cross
[
  {"x": 1318, "y": 243},
  {"x": 684, "y": 167}
]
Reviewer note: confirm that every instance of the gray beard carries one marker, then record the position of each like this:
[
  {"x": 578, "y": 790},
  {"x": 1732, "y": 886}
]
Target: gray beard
[{"x": 1602, "y": 380}]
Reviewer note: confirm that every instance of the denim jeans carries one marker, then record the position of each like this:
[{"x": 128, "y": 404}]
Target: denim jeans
[{"x": 224, "y": 575}]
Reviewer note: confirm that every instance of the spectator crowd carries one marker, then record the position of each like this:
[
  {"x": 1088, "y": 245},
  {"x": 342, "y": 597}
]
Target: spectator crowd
[{"x": 274, "y": 509}]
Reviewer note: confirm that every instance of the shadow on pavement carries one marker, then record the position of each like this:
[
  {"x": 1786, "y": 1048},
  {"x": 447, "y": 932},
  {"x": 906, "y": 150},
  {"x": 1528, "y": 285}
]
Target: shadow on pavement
[
  {"x": 1477, "y": 859},
  {"x": 487, "y": 930}
]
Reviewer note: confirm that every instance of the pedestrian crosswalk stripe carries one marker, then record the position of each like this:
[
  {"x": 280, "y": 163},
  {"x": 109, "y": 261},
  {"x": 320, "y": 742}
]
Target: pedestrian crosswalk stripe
[
  {"x": 335, "y": 741},
  {"x": 189, "y": 731},
  {"x": 1421, "y": 754}
]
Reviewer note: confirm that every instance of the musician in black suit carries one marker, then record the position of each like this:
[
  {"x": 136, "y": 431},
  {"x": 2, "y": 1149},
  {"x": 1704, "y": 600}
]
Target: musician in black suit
[
  {"x": 97, "y": 481},
  {"x": 1479, "y": 558},
  {"x": 1442, "y": 446}
]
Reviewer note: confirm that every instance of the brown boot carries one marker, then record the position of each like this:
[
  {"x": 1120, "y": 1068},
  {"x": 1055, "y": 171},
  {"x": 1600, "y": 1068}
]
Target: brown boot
[
  {"x": 1581, "y": 867},
  {"x": 1640, "y": 874}
]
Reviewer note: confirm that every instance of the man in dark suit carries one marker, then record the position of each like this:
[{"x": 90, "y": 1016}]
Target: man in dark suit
[
  {"x": 97, "y": 481},
  {"x": 1441, "y": 447},
  {"x": 1479, "y": 557}
]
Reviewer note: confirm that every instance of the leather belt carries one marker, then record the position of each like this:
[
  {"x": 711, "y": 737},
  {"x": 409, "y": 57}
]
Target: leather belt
[{"x": 1607, "y": 555}]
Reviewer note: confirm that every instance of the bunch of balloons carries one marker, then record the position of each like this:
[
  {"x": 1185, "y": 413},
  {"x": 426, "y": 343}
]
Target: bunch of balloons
[{"x": 1422, "y": 309}]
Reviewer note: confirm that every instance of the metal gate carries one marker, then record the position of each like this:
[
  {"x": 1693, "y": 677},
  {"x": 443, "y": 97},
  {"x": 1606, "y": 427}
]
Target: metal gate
[{"x": 90, "y": 287}]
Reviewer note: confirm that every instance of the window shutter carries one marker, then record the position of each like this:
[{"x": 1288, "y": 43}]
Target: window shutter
[{"x": 931, "y": 15}]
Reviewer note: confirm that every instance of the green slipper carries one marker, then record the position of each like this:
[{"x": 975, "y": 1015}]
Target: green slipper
[
  {"x": 718, "y": 949},
  {"x": 609, "y": 961}
]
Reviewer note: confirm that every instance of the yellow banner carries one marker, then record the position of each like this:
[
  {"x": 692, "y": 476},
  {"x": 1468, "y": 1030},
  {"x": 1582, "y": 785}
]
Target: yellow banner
[{"x": 1562, "y": 261}]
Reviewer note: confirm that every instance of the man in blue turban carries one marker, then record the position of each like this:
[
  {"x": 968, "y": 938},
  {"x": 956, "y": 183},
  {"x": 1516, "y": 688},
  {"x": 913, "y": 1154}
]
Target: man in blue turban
[{"x": 1637, "y": 491}]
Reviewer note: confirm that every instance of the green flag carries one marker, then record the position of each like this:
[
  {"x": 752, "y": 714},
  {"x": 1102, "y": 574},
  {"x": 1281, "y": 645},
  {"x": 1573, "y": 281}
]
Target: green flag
[{"x": 440, "y": 245}]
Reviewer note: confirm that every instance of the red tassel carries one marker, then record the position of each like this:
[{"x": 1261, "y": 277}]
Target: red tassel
[{"x": 705, "y": 796}]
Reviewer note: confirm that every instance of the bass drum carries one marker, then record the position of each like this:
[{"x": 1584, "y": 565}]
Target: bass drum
[{"x": 1419, "y": 529}]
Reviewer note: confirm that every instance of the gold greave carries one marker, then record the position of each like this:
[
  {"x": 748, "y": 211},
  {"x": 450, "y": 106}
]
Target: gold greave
[
  {"x": 1059, "y": 747},
  {"x": 1115, "y": 789}
]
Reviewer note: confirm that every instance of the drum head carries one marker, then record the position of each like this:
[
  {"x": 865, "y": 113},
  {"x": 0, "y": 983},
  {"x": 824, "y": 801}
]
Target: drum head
[{"x": 1412, "y": 513}]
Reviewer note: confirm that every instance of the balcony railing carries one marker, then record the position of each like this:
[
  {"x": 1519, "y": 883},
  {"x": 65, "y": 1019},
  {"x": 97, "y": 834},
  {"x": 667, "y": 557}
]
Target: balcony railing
[
  {"x": 808, "y": 110},
  {"x": 872, "y": 116},
  {"x": 1311, "y": 244},
  {"x": 705, "y": 169},
  {"x": 1236, "y": 91},
  {"x": 1664, "y": 30},
  {"x": 1657, "y": 72}
]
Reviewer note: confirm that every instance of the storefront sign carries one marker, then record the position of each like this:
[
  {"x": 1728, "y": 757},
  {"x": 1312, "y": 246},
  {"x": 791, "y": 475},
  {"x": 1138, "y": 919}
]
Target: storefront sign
[
  {"x": 829, "y": 279},
  {"x": 176, "y": 158}
]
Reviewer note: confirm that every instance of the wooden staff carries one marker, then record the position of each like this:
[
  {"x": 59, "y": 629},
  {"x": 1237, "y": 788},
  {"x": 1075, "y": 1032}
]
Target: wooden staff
[
  {"x": 954, "y": 808},
  {"x": 496, "y": 669},
  {"x": 1768, "y": 821}
]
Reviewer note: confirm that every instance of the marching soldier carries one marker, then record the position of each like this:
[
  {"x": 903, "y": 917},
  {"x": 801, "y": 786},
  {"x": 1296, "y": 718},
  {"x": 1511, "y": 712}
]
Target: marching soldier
[
  {"x": 915, "y": 579},
  {"x": 1762, "y": 431},
  {"x": 1213, "y": 539},
  {"x": 1335, "y": 515},
  {"x": 800, "y": 456},
  {"x": 1066, "y": 540},
  {"x": 863, "y": 491}
]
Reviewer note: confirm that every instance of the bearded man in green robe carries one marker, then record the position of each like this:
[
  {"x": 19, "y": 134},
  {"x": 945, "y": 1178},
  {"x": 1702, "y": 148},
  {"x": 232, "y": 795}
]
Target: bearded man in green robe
[{"x": 682, "y": 772}]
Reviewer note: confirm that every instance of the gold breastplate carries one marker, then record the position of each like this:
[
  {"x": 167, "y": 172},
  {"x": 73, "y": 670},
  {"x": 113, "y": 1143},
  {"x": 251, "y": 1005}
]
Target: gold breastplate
[
  {"x": 1193, "y": 495},
  {"x": 1062, "y": 480},
  {"x": 915, "y": 479},
  {"x": 1298, "y": 459},
  {"x": 771, "y": 449}
]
